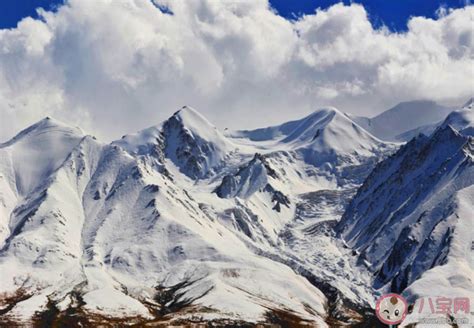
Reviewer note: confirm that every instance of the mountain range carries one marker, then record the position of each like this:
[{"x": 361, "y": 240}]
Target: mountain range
[
  {"x": 405, "y": 120},
  {"x": 304, "y": 223}
]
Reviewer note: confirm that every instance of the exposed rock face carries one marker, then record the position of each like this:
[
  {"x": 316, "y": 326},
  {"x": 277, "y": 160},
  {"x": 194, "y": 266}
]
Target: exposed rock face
[
  {"x": 179, "y": 220},
  {"x": 404, "y": 218},
  {"x": 194, "y": 144}
]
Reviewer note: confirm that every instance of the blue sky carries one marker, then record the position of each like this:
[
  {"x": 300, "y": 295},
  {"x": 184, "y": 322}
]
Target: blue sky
[
  {"x": 11, "y": 11},
  {"x": 392, "y": 13}
]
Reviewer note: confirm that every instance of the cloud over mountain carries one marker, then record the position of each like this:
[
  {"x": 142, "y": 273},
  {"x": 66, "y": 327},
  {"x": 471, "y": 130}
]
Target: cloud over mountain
[{"x": 118, "y": 66}]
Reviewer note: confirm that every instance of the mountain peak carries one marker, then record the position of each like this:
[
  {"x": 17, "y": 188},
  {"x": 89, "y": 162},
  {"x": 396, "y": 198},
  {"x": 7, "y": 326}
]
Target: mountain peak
[
  {"x": 328, "y": 130},
  {"x": 405, "y": 206},
  {"x": 194, "y": 144},
  {"x": 325, "y": 110},
  {"x": 324, "y": 131},
  {"x": 47, "y": 124},
  {"x": 39, "y": 150},
  {"x": 191, "y": 117},
  {"x": 461, "y": 120},
  {"x": 446, "y": 132},
  {"x": 469, "y": 104},
  {"x": 50, "y": 122},
  {"x": 404, "y": 117}
]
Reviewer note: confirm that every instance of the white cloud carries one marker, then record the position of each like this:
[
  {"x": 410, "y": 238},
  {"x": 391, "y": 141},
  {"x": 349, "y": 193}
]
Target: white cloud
[{"x": 118, "y": 66}]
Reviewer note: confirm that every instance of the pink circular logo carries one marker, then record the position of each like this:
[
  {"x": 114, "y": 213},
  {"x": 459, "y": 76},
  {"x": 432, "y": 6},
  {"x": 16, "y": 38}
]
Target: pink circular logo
[{"x": 391, "y": 309}]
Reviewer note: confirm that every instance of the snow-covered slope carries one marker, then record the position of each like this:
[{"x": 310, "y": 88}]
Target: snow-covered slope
[
  {"x": 188, "y": 139},
  {"x": 426, "y": 130},
  {"x": 457, "y": 118},
  {"x": 462, "y": 119},
  {"x": 180, "y": 224},
  {"x": 324, "y": 131},
  {"x": 36, "y": 152},
  {"x": 402, "y": 118},
  {"x": 328, "y": 131},
  {"x": 333, "y": 146},
  {"x": 26, "y": 163},
  {"x": 194, "y": 144},
  {"x": 249, "y": 179},
  {"x": 101, "y": 233},
  {"x": 411, "y": 221}
]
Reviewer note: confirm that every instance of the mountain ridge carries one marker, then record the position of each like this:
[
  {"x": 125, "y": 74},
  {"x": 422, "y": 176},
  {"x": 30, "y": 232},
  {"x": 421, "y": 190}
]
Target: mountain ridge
[
  {"x": 175, "y": 221},
  {"x": 409, "y": 216},
  {"x": 402, "y": 118}
]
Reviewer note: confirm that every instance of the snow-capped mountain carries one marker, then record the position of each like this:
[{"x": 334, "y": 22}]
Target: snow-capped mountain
[
  {"x": 189, "y": 140},
  {"x": 325, "y": 131},
  {"x": 194, "y": 144},
  {"x": 26, "y": 164},
  {"x": 411, "y": 221},
  {"x": 396, "y": 123},
  {"x": 462, "y": 119},
  {"x": 426, "y": 130},
  {"x": 103, "y": 232},
  {"x": 180, "y": 224},
  {"x": 248, "y": 180},
  {"x": 334, "y": 147},
  {"x": 38, "y": 151},
  {"x": 455, "y": 118}
]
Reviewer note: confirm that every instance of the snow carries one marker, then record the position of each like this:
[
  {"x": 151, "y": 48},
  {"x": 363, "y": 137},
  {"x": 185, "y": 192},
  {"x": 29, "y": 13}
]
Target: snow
[
  {"x": 110, "y": 302},
  {"x": 402, "y": 118},
  {"x": 189, "y": 140},
  {"x": 181, "y": 218},
  {"x": 411, "y": 221},
  {"x": 200, "y": 126},
  {"x": 247, "y": 181},
  {"x": 28, "y": 308},
  {"x": 462, "y": 119},
  {"x": 27, "y": 155},
  {"x": 426, "y": 130},
  {"x": 325, "y": 130},
  {"x": 454, "y": 279},
  {"x": 138, "y": 143}
]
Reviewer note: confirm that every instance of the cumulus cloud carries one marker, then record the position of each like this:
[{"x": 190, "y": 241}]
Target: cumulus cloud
[{"x": 114, "y": 67}]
